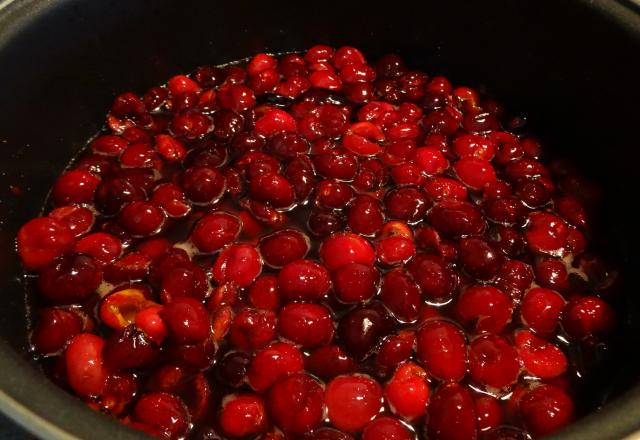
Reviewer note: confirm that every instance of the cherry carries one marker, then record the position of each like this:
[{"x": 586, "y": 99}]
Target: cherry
[
  {"x": 336, "y": 166},
  {"x": 78, "y": 219},
  {"x": 552, "y": 274},
  {"x": 454, "y": 218},
  {"x": 129, "y": 349},
  {"x": 76, "y": 186},
  {"x": 440, "y": 188},
  {"x": 203, "y": 185},
  {"x": 276, "y": 361},
  {"x": 362, "y": 329},
  {"x": 119, "y": 308},
  {"x": 130, "y": 267},
  {"x": 541, "y": 309},
  {"x": 452, "y": 414},
  {"x": 263, "y": 293},
  {"x": 434, "y": 276},
  {"x": 474, "y": 145},
  {"x": 488, "y": 412},
  {"x": 85, "y": 367},
  {"x": 588, "y": 315},
  {"x": 331, "y": 194},
  {"x": 479, "y": 259},
  {"x": 215, "y": 230},
  {"x": 70, "y": 279},
  {"x": 54, "y": 328},
  {"x": 546, "y": 409},
  {"x": 474, "y": 172},
  {"x": 171, "y": 199},
  {"x": 303, "y": 279},
  {"x": 103, "y": 247},
  {"x": 327, "y": 434},
  {"x": 187, "y": 280},
  {"x": 352, "y": 402},
  {"x": 109, "y": 145},
  {"x": 508, "y": 211},
  {"x": 407, "y": 393},
  {"x": 187, "y": 320},
  {"x": 441, "y": 347},
  {"x": 42, "y": 240},
  {"x": 330, "y": 361},
  {"x": 238, "y": 263},
  {"x": 539, "y": 357},
  {"x": 431, "y": 160},
  {"x": 386, "y": 428},
  {"x": 232, "y": 368},
  {"x": 296, "y": 404},
  {"x": 252, "y": 329},
  {"x": 396, "y": 348},
  {"x": 401, "y": 295},
  {"x": 486, "y": 307},
  {"x": 236, "y": 97},
  {"x": 283, "y": 247},
  {"x": 141, "y": 219},
  {"x": 409, "y": 204},
  {"x": 114, "y": 193},
  {"x": 306, "y": 324},
  {"x": 493, "y": 363},
  {"x": 546, "y": 233},
  {"x": 365, "y": 215},
  {"x": 344, "y": 248},
  {"x": 514, "y": 277}
]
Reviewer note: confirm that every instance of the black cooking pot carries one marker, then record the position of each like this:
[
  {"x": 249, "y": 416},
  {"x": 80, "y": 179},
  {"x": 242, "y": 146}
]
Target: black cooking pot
[{"x": 572, "y": 66}]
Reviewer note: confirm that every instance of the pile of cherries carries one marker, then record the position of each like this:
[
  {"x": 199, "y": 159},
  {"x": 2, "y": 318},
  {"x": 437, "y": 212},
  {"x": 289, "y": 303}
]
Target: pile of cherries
[{"x": 310, "y": 246}]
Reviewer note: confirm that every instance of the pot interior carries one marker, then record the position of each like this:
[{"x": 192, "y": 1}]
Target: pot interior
[{"x": 570, "y": 67}]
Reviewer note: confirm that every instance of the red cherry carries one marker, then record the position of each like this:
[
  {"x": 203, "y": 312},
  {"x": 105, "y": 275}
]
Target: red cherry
[
  {"x": 75, "y": 186},
  {"x": 407, "y": 392},
  {"x": 303, "y": 279},
  {"x": 546, "y": 233},
  {"x": 452, "y": 414},
  {"x": 401, "y": 295},
  {"x": 272, "y": 363},
  {"x": 252, "y": 329},
  {"x": 103, "y": 247},
  {"x": 352, "y": 402},
  {"x": 488, "y": 308},
  {"x": 42, "y": 240},
  {"x": 475, "y": 172},
  {"x": 330, "y": 361},
  {"x": 541, "y": 309},
  {"x": 442, "y": 349},
  {"x": 344, "y": 248},
  {"x": 187, "y": 320},
  {"x": 546, "y": 409},
  {"x": 539, "y": 357},
  {"x": 54, "y": 328},
  {"x": 214, "y": 231},
  {"x": 586, "y": 316},
  {"x": 70, "y": 279},
  {"x": 434, "y": 276},
  {"x": 386, "y": 428},
  {"x": 85, "y": 368},
  {"x": 283, "y": 247},
  {"x": 306, "y": 324},
  {"x": 493, "y": 363},
  {"x": 243, "y": 415},
  {"x": 238, "y": 263},
  {"x": 296, "y": 404},
  {"x": 488, "y": 412}
]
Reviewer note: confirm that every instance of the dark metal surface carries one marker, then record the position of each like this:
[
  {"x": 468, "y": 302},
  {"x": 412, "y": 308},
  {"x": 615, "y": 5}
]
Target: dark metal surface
[{"x": 573, "y": 66}]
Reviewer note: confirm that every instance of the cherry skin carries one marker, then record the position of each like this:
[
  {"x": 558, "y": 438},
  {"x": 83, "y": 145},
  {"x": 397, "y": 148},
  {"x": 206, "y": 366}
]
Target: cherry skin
[{"x": 352, "y": 402}]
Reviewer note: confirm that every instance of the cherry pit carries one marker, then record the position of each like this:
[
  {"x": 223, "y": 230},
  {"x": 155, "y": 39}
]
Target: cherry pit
[{"x": 312, "y": 246}]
